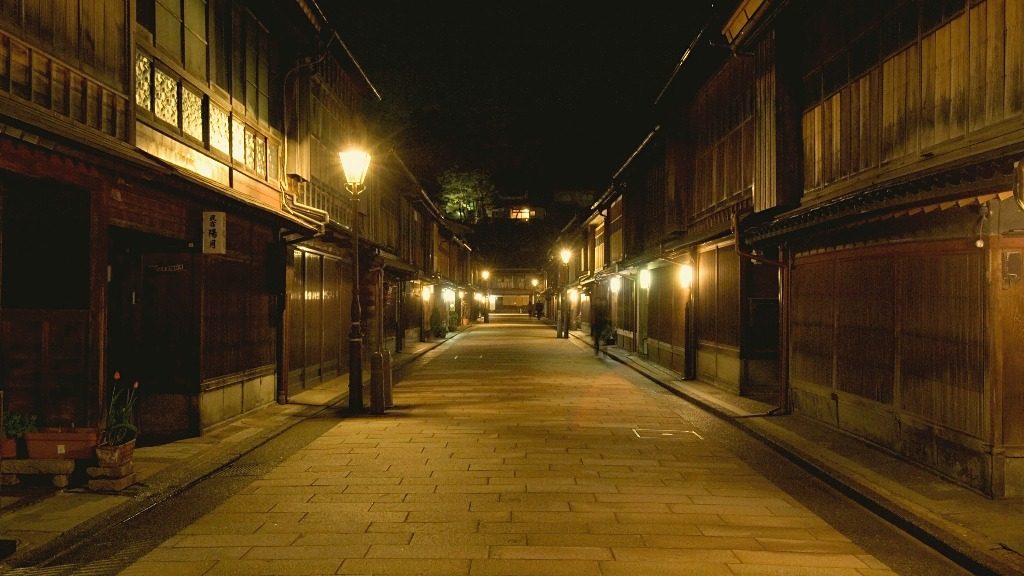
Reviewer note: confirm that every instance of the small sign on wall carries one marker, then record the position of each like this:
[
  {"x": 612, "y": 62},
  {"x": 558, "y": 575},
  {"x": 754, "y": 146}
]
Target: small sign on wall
[{"x": 215, "y": 240}]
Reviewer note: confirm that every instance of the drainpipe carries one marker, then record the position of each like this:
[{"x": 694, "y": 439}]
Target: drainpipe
[{"x": 785, "y": 288}]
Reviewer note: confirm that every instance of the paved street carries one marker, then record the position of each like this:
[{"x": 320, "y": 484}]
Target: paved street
[{"x": 511, "y": 452}]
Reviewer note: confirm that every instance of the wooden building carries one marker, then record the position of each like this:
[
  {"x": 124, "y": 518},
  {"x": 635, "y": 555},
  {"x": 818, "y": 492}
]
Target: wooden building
[
  {"x": 172, "y": 208},
  {"x": 842, "y": 180}
]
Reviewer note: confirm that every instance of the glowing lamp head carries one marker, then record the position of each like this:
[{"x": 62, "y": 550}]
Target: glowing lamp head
[
  {"x": 686, "y": 275},
  {"x": 566, "y": 254},
  {"x": 645, "y": 279},
  {"x": 485, "y": 274},
  {"x": 355, "y": 163},
  {"x": 615, "y": 284}
]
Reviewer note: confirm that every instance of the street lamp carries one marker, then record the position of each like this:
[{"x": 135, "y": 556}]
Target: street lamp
[
  {"x": 566, "y": 255},
  {"x": 533, "y": 298},
  {"x": 486, "y": 275},
  {"x": 355, "y": 163}
]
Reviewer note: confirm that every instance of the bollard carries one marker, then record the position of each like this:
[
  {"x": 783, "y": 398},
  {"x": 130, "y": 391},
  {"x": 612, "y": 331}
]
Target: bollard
[
  {"x": 377, "y": 383},
  {"x": 389, "y": 391}
]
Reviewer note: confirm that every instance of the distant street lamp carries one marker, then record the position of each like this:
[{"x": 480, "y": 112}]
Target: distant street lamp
[
  {"x": 563, "y": 315},
  {"x": 355, "y": 163},
  {"x": 486, "y": 275},
  {"x": 533, "y": 297}
]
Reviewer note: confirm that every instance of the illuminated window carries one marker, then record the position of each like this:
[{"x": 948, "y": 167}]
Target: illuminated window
[
  {"x": 143, "y": 81},
  {"x": 520, "y": 214},
  {"x": 192, "y": 113}
]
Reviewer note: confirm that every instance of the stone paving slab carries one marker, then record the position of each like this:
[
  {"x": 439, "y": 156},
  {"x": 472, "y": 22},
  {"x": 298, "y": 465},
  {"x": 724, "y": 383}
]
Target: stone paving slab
[
  {"x": 488, "y": 466},
  {"x": 493, "y": 473}
]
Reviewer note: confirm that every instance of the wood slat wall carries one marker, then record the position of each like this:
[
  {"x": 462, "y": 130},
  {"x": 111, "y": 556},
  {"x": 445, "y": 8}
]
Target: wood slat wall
[
  {"x": 35, "y": 76},
  {"x": 723, "y": 117},
  {"x": 239, "y": 332},
  {"x": 864, "y": 336},
  {"x": 901, "y": 325},
  {"x": 764, "y": 151},
  {"x": 941, "y": 337},
  {"x": 665, "y": 307},
  {"x": 811, "y": 328},
  {"x": 964, "y": 76}
]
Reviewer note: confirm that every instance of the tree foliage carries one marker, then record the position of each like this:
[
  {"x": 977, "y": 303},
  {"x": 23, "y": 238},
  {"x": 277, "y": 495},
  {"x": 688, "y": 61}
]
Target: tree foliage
[{"x": 466, "y": 196}]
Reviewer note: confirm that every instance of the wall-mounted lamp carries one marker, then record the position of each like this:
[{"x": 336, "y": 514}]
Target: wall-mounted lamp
[
  {"x": 615, "y": 284},
  {"x": 686, "y": 276},
  {"x": 645, "y": 279}
]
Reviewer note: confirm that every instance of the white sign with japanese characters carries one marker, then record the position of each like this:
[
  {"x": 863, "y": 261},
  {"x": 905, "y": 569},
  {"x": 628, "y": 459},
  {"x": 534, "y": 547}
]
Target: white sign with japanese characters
[{"x": 215, "y": 240}]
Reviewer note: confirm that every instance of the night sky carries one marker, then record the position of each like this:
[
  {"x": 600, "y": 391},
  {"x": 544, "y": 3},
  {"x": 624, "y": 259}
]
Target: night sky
[{"x": 543, "y": 95}]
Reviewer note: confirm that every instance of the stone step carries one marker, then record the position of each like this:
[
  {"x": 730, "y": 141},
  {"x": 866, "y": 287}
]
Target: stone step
[
  {"x": 110, "y": 471},
  {"x": 111, "y": 484}
]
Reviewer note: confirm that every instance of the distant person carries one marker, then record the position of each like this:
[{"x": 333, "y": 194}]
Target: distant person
[{"x": 538, "y": 309}]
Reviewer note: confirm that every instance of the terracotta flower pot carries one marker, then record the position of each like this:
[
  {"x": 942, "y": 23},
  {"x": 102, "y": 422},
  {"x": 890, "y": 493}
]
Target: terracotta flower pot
[{"x": 110, "y": 456}]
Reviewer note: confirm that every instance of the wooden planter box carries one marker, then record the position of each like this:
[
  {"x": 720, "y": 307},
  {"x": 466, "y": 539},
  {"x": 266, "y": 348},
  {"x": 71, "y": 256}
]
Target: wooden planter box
[{"x": 76, "y": 443}]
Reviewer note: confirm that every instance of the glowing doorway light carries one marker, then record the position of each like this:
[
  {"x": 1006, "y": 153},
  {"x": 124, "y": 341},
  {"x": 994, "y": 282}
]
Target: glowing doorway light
[
  {"x": 616, "y": 284},
  {"x": 686, "y": 275},
  {"x": 645, "y": 279}
]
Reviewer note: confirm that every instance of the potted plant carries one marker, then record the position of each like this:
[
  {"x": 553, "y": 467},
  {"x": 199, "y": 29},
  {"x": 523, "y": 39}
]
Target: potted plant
[
  {"x": 61, "y": 442},
  {"x": 117, "y": 437},
  {"x": 15, "y": 426}
]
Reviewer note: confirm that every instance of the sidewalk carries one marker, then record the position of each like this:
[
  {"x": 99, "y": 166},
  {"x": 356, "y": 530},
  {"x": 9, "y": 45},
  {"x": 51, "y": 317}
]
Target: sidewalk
[
  {"x": 982, "y": 534},
  {"x": 44, "y": 521}
]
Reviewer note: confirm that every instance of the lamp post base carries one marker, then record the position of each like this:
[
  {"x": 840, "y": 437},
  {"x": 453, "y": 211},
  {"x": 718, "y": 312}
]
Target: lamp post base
[
  {"x": 389, "y": 394},
  {"x": 377, "y": 402},
  {"x": 355, "y": 373}
]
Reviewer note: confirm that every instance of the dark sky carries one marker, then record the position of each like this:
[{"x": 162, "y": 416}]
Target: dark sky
[{"x": 543, "y": 95}]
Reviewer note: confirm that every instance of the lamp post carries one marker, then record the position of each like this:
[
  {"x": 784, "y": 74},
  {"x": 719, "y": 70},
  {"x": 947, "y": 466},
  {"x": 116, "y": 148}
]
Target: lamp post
[
  {"x": 563, "y": 315},
  {"x": 486, "y": 275},
  {"x": 355, "y": 163},
  {"x": 533, "y": 298}
]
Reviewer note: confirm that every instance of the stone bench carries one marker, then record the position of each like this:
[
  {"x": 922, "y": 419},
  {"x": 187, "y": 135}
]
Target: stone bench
[{"x": 59, "y": 468}]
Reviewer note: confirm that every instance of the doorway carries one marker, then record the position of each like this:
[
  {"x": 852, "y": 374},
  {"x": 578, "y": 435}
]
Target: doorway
[{"x": 152, "y": 336}]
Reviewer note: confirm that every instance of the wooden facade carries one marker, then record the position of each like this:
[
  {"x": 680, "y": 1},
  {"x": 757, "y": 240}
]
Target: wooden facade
[
  {"x": 181, "y": 157},
  {"x": 840, "y": 181}
]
